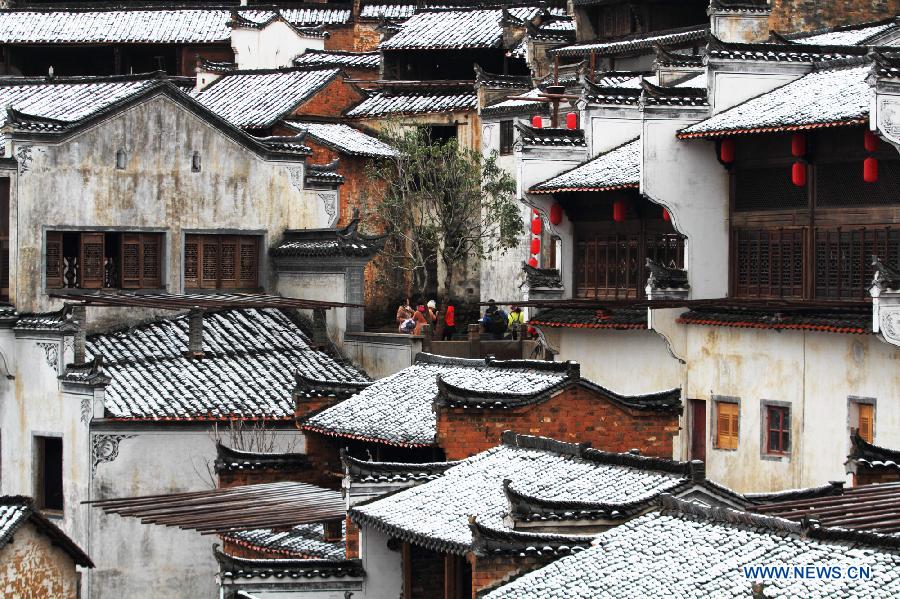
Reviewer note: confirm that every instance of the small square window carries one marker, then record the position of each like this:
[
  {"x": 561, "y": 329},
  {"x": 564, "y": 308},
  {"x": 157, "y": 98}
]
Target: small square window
[
  {"x": 728, "y": 416},
  {"x": 778, "y": 429},
  {"x": 49, "y": 473},
  {"x": 506, "y": 137}
]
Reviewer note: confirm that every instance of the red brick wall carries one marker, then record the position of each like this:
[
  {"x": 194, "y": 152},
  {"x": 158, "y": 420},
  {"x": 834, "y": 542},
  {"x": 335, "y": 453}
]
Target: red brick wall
[
  {"x": 865, "y": 476},
  {"x": 324, "y": 457},
  {"x": 341, "y": 38},
  {"x": 427, "y": 575},
  {"x": 493, "y": 570},
  {"x": 804, "y": 15},
  {"x": 575, "y": 415},
  {"x": 352, "y": 539},
  {"x": 187, "y": 57},
  {"x": 366, "y": 38},
  {"x": 333, "y": 100},
  {"x": 255, "y": 477}
]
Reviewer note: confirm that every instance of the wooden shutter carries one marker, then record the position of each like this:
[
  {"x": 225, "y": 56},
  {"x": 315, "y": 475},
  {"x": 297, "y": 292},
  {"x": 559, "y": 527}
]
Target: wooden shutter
[
  {"x": 91, "y": 261},
  {"x": 151, "y": 260},
  {"x": 866, "y": 422},
  {"x": 209, "y": 261},
  {"x": 228, "y": 262},
  {"x": 54, "y": 260},
  {"x": 192, "y": 261},
  {"x": 249, "y": 261},
  {"x": 727, "y": 425},
  {"x": 130, "y": 267}
]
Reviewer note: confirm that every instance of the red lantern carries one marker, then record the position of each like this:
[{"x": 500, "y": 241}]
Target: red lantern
[
  {"x": 537, "y": 122},
  {"x": 666, "y": 216},
  {"x": 798, "y": 145},
  {"x": 871, "y": 141},
  {"x": 571, "y": 121},
  {"x": 556, "y": 213},
  {"x": 798, "y": 174},
  {"x": 536, "y": 245},
  {"x": 536, "y": 226},
  {"x": 532, "y": 262},
  {"x": 870, "y": 170},
  {"x": 619, "y": 210},
  {"x": 726, "y": 151}
]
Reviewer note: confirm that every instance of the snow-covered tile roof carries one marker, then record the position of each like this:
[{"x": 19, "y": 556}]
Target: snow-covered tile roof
[
  {"x": 304, "y": 541},
  {"x": 337, "y": 58},
  {"x": 518, "y": 106},
  {"x": 687, "y": 550},
  {"x": 551, "y": 136},
  {"x": 12, "y": 515},
  {"x": 345, "y": 139},
  {"x": 143, "y": 25},
  {"x": 69, "y": 99},
  {"x": 16, "y": 510},
  {"x": 436, "y": 513},
  {"x": 413, "y": 102},
  {"x": 616, "y": 169},
  {"x": 251, "y": 357},
  {"x": 454, "y": 29},
  {"x": 632, "y": 43},
  {"x": 398, "y": 409},
  {"x": 820, "y": 99},
  {"x": 257, "y": 99},
  {"x": 853, "y": 35},
  {"x": 387, "y": 11}
]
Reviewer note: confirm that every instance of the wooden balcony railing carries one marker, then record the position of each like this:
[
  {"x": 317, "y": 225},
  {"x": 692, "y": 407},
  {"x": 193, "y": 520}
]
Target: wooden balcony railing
[{"x": 614, "y": 266}]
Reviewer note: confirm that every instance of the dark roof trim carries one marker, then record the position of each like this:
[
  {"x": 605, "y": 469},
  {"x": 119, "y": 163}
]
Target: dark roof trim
[
  {"x": 873, "y": 455},
  {"x": 527, "y": 508},
  {"x": 240, "y": 567},
  {"x": 45, "y": 527},
  {"x": 489, "y": 541},
  {"x": 229, "y": 459},
  {"x": 358, "y": 469},
  {"x": 826, "y": 490}
]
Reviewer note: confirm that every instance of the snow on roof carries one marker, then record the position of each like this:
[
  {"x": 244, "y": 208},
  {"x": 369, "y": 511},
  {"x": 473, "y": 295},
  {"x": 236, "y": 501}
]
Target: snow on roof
[
  {"x": 438, "y": 510},
  {"x": 345, "y": 139},
  {"x": 691, "y": 551},
  {"x": 820, "y": 99},
  {"x": 143, "y": 25},
  {"x": 855, "y": 35},
  {"x": 260, "y": 98},
  {"x": 16, "y": 510},
  {"x": 337, "y": 58},
  {"x": 398, "y": 409},
  {"x": 616, "y": 169},
  {"x": 388, "y": 11},
  {"x": 514, "y": 106},
  {"x": 248, "y": 369},
  {"x": 641, "y": 41},
  {"x": 413, "y": 102},
  {"x": 454, "y": 29},
  {"x": 304, "y": 541},
  {"x": 12, "y": 515}
]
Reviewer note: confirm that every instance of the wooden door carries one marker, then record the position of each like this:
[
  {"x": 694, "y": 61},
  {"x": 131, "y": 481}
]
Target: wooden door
[{"x": 698, "y": 429}]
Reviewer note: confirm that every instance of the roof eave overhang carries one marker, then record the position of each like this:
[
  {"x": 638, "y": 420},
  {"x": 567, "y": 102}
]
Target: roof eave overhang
[
  {"x": 718, "y": 134},
  {"x": 634, "y": 185}
]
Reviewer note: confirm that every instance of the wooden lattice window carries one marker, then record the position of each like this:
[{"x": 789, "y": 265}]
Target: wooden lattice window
[
  {"x": 778, "y": 429},
  {"x": 94, "y": 260},
  {"x": 506, "y": 137},
  {"x": 769, "y": 263},
  {"x": 141, "y": 260},
  {"x": 221, "y": 261},
  {"x": 53, "y": 260},
  {"x": 844, "y": 259},
  {"x": 614, "y": 266},
  {"x": 727, "y": 424}
]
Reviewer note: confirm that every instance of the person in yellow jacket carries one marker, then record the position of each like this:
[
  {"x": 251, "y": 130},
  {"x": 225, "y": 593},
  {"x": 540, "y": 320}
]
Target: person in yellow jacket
[{"x": 516, "y": 321}]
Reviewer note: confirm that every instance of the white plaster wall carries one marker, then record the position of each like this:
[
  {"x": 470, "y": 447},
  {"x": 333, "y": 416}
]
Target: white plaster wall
[
  {"x": 384, "y": 577},
  {"x": 685, "y": 178},
  {"x": 379, "y": 354},
  {"x": 608, "y": 131},
  {"x": 628, "y": 362},
  {"x": 141, "y": 560},
  {"x": 732, "y": 88},
  {"x": 75, "y": 184},
  {"x": 273, "y": 46},
  {"x": 322, "y": 286}
]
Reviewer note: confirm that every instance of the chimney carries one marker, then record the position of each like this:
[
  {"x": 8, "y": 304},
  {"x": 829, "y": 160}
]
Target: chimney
[
  {"x": 79, "y": 315},
  {"x": 195, "y": 333},
  {"x": 739, "y": 21},
  {"x": 698, "y": 471}
]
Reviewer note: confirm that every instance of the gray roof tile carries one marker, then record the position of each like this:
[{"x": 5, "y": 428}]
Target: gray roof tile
[
  {"x": 304, "y": 541},
  {"x": 413, "y": 102},
  {"x": 336, "y": 58},
  {"x": 345, "y": 139},
  {"x": 616, "y": 169},
  {"x": 853, "y": 35},
  {"x": 454, "y": 29},
  {"x": 641, "y": 41}
]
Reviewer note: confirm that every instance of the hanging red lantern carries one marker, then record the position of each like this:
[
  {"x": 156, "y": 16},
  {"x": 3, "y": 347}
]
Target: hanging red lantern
[
  {"x": 619, "y": 210},
  {"x": 871, "y": 141},
  {"x": 870, "y": 170},
  {"x": 532, "y": 262},
  {"x": 556, "y": 213},
  {"x": 798, "y": 174},
  {"x": 535, "y": 213},
  {"x": 726, "y": 151},
  {"x": 572, "y": 121},
  {"x": 536, "y": 245},
  {"x": 536, "y": 226},
  {"x": 666, "y": 216},
  {"x": 798, "y": 145},
  {"x": 537, "y": 122}
]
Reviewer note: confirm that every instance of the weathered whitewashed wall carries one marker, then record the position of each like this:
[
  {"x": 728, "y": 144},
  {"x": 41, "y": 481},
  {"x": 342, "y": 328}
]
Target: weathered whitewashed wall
[
  {"x": 270, "y": 47},
  {"x": 76, "y": 184},
  {"x": 382, "y": 354},
  {"x": 142, "y": 560},
  {"x": 32, "y": 566},
  {"x": 384, "y": 576}
]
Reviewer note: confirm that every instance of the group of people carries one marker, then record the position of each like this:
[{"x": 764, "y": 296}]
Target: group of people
[
  {"x": 411, "y": 320},
  {"x": 498, "y": 323}
]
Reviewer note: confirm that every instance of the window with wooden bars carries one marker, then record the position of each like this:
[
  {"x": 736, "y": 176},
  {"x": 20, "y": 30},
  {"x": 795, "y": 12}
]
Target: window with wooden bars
[
  {"x": 769, "y": 262},
  {"x": 778, "y": 429},
  {"x": 221, "y": 261},
  {"x": 95, "y": 260},
  {"x": 862, "y": 419},
  {"x": 506, "y": 137},
  {"x": 727, "y": 424}
]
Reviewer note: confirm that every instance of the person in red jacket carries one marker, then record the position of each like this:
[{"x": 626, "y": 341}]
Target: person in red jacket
[{"x": 449, "y": 323}]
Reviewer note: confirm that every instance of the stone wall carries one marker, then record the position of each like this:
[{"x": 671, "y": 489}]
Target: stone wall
[{"x": 806, "y": 15}]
